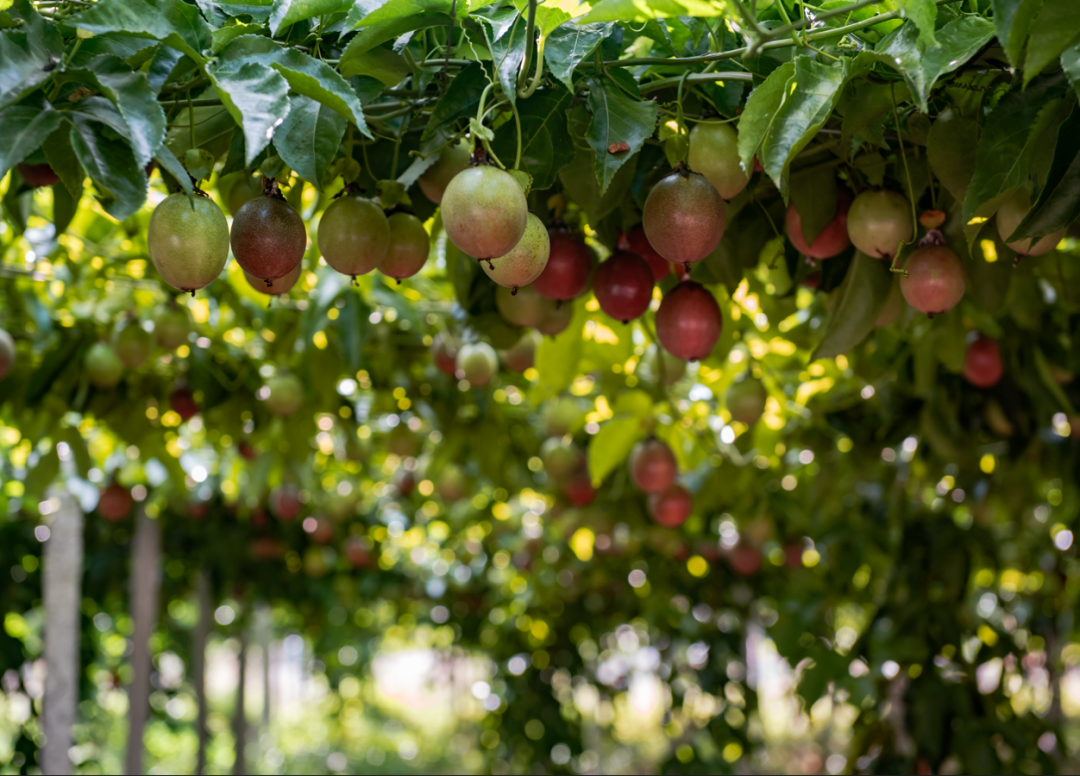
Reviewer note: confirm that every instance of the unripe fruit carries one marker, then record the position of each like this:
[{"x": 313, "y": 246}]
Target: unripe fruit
[
  {"x": 624, "y": 285},
  {"x": 285, "y": 502},
  {"x": 188, "y": 240},
  {"x": 522, "y": 354},
  {"x": 37, "y": 175},
  {"x": 524, "y": 263},
  {"x": 893, "y": 308},
  {"x": 268, "y": 238},
  {"x": 115, "y": 502},
  {"x": 133, "y": 345},
  {"x": 1011, "y": 213},
  {"x": 452, "y": 485},
  {"x": 244, "y": 189},
  {"x": 671, "y": 507},
  {"x": 568, "y": 268},
  {"x": 444, "y": 354},
  {"x": 354, "y": 235},
  {"x": 408, "y": 249},
  {"x": 832, "y": 240},
  {"x": 103, "y": 366},
  {"x": 579, "y": 490},
  {"x": 524, "y": 308},
  {"x": 982, "y": 363},
  {"x": 935, "y": 279},
  {"x": 477, "y": 363},
  {"x": 437, "y": 177},
  {"x": 285, "y": 394},
  {"x": 688, "y": 322},
  {"x": 556, "y": 320},
  {"x": 183, "y": 403},
  {"x": 878, "y": 221},
  {"x": 714, "y": 152},
  {"x": 637, "y": 242},
  {"x": 171, "y": 327},
  {"x": 276, "y": 287},
  {"x": 484, "y": 211},
  {"x": 684, "y": 217},
  {"x": 746, "y": 401},
  {"x": 652, "y": 466},
  {"x": 7, "y": 353},
  {"x": 560, "y": 458},
  {"x": 561, "y": 417}
]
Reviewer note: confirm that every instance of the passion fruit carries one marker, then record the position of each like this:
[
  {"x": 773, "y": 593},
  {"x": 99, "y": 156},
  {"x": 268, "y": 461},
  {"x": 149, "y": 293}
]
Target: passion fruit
[
  {"x": 935, "y": 279},
  {"x": 714, "y": 152},
  {"x": 568, "y": 268},
  {"x": 7, "y": 353},
  {"x": 878, "y": 221},
  {"x": 671, "y": 507},
  {"x": 172, "y": 325},
  {"x": 115, "y": 502},
  {"x": 285, "y": 502},
  {"x": 579, "y": 490},
  {"x": 354, "y": 235},
  {"x": 484, "y": 211},
  {"x": 525, "y": 307},
  {"x": 244, "y": 189},
  {"x": 982, "y": 363},
  {"x": 624, "y": 286},
  {"x": 38, "y": 175},
  {"x": 746, "y": 401},
  {"x": 522, "y": 355},
  {"x": 477, "y": 363},
  {"x": 557, "y": 320},
  {"x": 134, "y": 345},
  {"x": 407, "y": 252},
  {"x": 436, "y": 178},
  {"x": 103, "y": 366},
  {"x": 832, "y": 240},
  {"x": 524, "y": 263},
  {"x": 182, "y": 402},
  {"x": 188, "y": 240},
  {"x": 637, "y": 242},
  {"x": 268, "y": 237},
  {"x": 684, "y": 217},
  {"x": 652, "y": 466},
  {"x": 562, "y": 417},
  {"x": 1011, "y": 213},
  {"x": 444, "y": 353},
  {"x": 276, "y": 287},
  {"x": 284, "y": 394},
  {"x": 688, "y": 322}
]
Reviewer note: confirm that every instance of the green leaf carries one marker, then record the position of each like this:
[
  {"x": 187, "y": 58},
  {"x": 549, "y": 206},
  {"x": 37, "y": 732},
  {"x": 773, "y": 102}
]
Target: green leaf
[
  {"x": 634, "y": 10},
  {"x": 286, "y": 12},
  {"x": 856, "y": 307},
  {"x": 162, "y": 65},
  {"x": 808, "y": 102},
  {"x": 569, "y": 45},
  {"x": 546, "y": 143},
  {"x": 923, "y": 13},
  {"x": 380, "y": 63},
  {"x": 23, "y": 127},
  {"x": 309, "y": 138},
  {"x": 1055, "y": 29},
  {"x": 814, "y": 195},
  {"x": 612, "y": 445},
  {"x": 256, "y": 96},
  {"x": 1070, "y": 63},
  {"x": 369, "y": 38},
  {"x": 130, "y": 91},
  {"x": 616, "y": 118},
  {"x": 862, "y": 104},
  {"x": 460, "y": 101},
  {"x": 557, "y": 357},
  {"x": 951, "y": 149},
  {"x": 580, "y": 183},
  {"x": 61, "y": 157},
  {"x": 360, "y": 16},
  {"x": 508, "y": 52},
  {"x": 1046, "y": 375},
  {"x": 111, "y": 164},
  {"x": 149, "y": 20},
  {"x": 65, "y": 206},
  {"x": 1012, "y": 21},
  {"x": 760, "y": 109},
  {"x": 1058, "y": 205},
  {"x": 1008, "y": 138},
  {"x": 168, "y": 161},
  {"x": 958, "y": 41},
  {"x": 191, "y": 33},
  {"x": 23, "y": 63}
]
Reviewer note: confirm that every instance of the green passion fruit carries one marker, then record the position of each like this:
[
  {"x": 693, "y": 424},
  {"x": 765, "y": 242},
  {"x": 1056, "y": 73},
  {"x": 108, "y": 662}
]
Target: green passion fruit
[
  {"x": 103, "y": 366},
  {"x": 7, "y": 353},
  {"x": 188, "y": 241},
  {"x": 276, "y": 287},
  {"x": 525, "y": 307},
  {"x": 268, "y": 237},
  {"x": 354, "y": 235},
  {"x": 746, "y": 401},
  {"x": 524, "y": 263},
  {"x": 684, "y": 217},
  {"x": 522, "y": 354},
  {"x": 1011, "y": 213},
  {"x": 134, "y": 345},
  {"x": 436, "y": 178},
  {"x": 878, "y": 221},
  {"x": 714, "y": 152},
  {"x": 284, "y": 394},
  {"x": 172, "y": 325},
  {"x": 244, "y": 189},
  {"x": 484, "y": 212},
  {"x": 557, "y": 320},
  {"x": 408, "y": 249},
  {"x": 477, "y": 363}
]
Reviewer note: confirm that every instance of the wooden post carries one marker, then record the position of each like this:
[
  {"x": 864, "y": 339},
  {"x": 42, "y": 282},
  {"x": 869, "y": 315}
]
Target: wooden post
[
  {"x": 62, "y": 598},
  {"x": 145, "y": 587},
  {"x": 198, "y": 661}
]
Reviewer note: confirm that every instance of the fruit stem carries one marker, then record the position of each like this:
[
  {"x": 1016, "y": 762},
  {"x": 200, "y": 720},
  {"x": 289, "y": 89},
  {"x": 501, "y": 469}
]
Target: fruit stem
[
  {"x": 517, "y": 124},
  {"x": 907, "y": 173},
  {"x": 680, "y": 119}
]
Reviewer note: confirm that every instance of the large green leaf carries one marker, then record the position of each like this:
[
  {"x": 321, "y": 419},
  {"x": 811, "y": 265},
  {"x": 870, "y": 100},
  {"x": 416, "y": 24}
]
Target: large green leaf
[
  {"x": 951, "y": 148},
  {"x": 1012, "y": 20},
  {"x": 372, "y": 37},
  {"x": 862, "y": 104},
  {"x": 162, "y": 65},
  {"x": 923, "y": 13},
  {"x": 111, "y": 164},
  {"x": 381, "y": 63},
  {"x": 557, "y": 357},
  {"x": 364, "y": 15},
  {"x": 760, "y": 109},
  {"x": 1070, "y": 63},
  {"x": 133, "y": 96},
  {"x": 616, "y": 118},
  {"x": 257, "y": 98},
  {"x": 23, "y": 127},
  {"x": 286, "y": 12},
  {"x": 634, "y": 10},
  {"x": 958, "y": 41},
  {"x": 150, "y": 20},
  {"x": 856, "y": 306},
  {"x": 190, "y": 33},
  {"x": 546, "y": 143},
  {"x": 568, "y": 46},
  {"x": 808, "y": 102},
  {"x": 459, "y": 102},
  {"x": 1055, "y": 29},
  {"x": 814, "y": 195},
  {"x": 580, "y": 183},
  {"x": 1008, "y": 140},
  {"x": 308, "y": 139},
  {"x": 612, "y": 445},
  {"x": 508, "y": 52},
  {"x": 61, "y": 157},
  {"x": 1058, "y": 205},
  {"x": 23, "y": 66},
  {"x": 170, "y": 164}
]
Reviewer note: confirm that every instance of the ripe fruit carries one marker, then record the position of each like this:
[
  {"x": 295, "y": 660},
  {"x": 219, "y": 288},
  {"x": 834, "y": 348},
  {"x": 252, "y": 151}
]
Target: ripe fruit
[
  {"x": 244, "y": 189},
  {"x": 37, "y": 175},
  {"x": 7, "y": 353},
  {"x": 444, "y": 353},
  {"x": 279, "y": 286},
  {"x": 477, "y": 363},
  {"x": 285, "y": 394},
  {"x": 684, "y": 217},
  {"x": 745, "y": 560},
  {"x": 652, "y": 466},
  {"x": 935, "y": 280},
  {"x": 714, "y": 152},
  {"x": 408, "y": 249},
  {"x": 103, "y": 366},
  {"x": 115, "y": 502},
  {"x": 435, "y": 178},
  {"x": 405, "y": 482},
  {"x": 189, "y": 241},
  {"x": 624, "y": 285},
  {"x": 894, "y": 306},
  {"x": 183, "y": 403},
  {"x": 268, "y": 237},
  {"x": 569, "y": 265},
  {"x": 524, "y": 263},
  {"x": 580, "y": 490},
  {"x": 878, "y": 221},
  {"x": 133, "y": 345},
  {"x": 525, "y": 308},
  {"x": 560, "y": 458},
  {"x": 245, "y": 449},
  {"x": 562, "y": 417},
  {"x": 1009, "y": 216},
  {"x": 358, "y": 552},
  {"x": 354, "y": 235},
  {"x": 171, "y": 327},
  {"x": 452, "y": 485},
  {"x": 484, "y": 211},
  {"x": 832, "y": 240},
  {"x": 556, "y": 320},
  {"x": 285, "y": 502},
  {"x": 746, "y": 401},
  {"x": 637, "y": 242},
  {"x": 671, "y": 507},
  {"x": 982, "y": 363},
  {"x": 688, "y": 322},
  {"x": 522, "y": 354}
]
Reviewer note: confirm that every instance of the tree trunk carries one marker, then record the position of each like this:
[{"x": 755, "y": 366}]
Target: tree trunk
[
  {"x": 145, "y": 586},
  {"x": 198, "y": 661},
  {"x": 240, "y": 715},
  {"x": 61, "y": 596}
]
